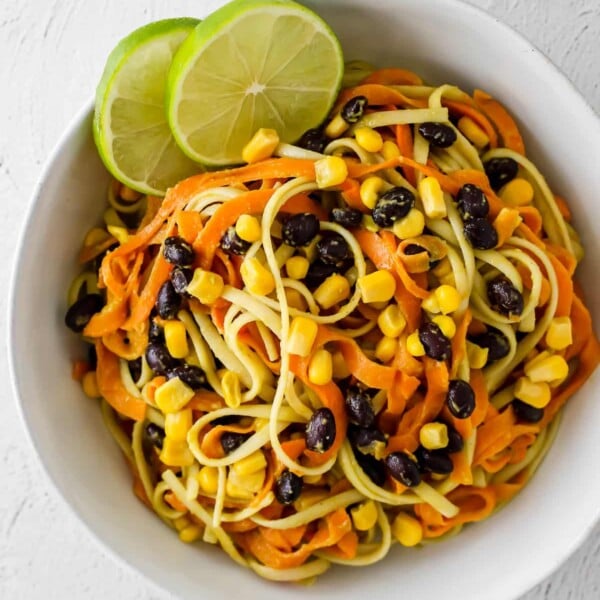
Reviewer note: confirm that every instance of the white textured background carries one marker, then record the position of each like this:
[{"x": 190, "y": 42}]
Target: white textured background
[{"x": 51, "y": 56}]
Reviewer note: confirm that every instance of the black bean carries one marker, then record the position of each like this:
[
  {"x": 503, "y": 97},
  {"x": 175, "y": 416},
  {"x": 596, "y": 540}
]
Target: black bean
[
  {"x": 180, "y": 279},
  {"x": 232, "y": 243},
  {"x": 159, "y": 359},
  {"x": 168, "y": 301},
  {"x": 526, "y": 412},
  {"x": 354, "y": 109},
  {"x": 460, "y": 399},
  {"x": 178, "y": 252},
  {"x": 191, "y": 375},
  {"x": 434, "y": 461},
  {"x": 472, "y": 202},
  {"x": 438, "y": 134},
  {"x": 365, "y": 439},
  {"x": 481, "y": 234},
  {"x": 231, "y": 440},
  {"x": 320, "y": 430},
  {"x": 373, "y": 468},
  {"x": 495, "y": 341},
  {"x": 226, "y": 420},
  {"x": 346, "y": 217},
  {"x": 333, "y": 250},
  {"x": 500, "y": 171},
  {"x": 411, "y": 249},
  {"x": 288, "y": 487},
  {"x": 504, "y": 297},
  {"x": 155, "y": 332},
  {"x": 135, "y": 368},
  {"x": 318, "y": 272},
  {"x": 313, "y": 139},
  {"x": 455, "y": 441},
  {"x": 300, "y": 230},
  {"x": 436, "y": 344},
  {"x": 403, "y": 468},
  {"x": 393, "y": 205},
  {"x": 359, "y": 408},
  {"x": 155, "y": 435},
  {"x": 80, "y": 313}
]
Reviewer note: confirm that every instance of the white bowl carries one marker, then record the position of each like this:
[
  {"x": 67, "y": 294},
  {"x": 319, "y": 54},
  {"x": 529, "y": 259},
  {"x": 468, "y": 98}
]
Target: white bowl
[{"x": 498, "y": 559}]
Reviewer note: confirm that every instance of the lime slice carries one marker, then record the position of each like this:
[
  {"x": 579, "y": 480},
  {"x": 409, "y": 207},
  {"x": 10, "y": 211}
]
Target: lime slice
[
  {"x": 130, "y": 122},
  {"x": 251, "y": 64}
]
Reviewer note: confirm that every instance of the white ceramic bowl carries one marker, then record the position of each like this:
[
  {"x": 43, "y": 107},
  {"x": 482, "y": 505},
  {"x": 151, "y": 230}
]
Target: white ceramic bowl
[{"x": 496, "y": 560}]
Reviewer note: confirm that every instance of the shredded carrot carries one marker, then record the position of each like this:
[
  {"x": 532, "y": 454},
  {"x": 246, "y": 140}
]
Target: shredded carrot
[{"x": 465, "y": 109}]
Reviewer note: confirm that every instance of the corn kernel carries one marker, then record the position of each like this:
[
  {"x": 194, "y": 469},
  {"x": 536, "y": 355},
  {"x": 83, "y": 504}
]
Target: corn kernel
[
  {"x": 181, "y": 523},
  {"x": 369, "y": 191},
  {"x": 518, "y": 192},
  {"x": 407, "y": 530},
  {"x": 207, "y": 287},
  {"x": 89, "y": 383},
  {"x": 448, "y": 298},
  {"x": 547, "y": 368},
  {"x": 378, "y": 286},
  {"x": 303, "y": 332},
  {"x": 339, "y": 365},
  {"x": 178, "y": 424},
  {"x": 248, "y": 228},
  {"x": 333, "y": 290},
  {"x": 446, "y": 324},
  {"x": 190, "y": 534},
  {"x": 257, "y": 278},
  {"x": 391, "y": 321},
  {"x": 175, "y": 453},
  {"x": 434, "y": 436},
  {"x": 386, "y": 348},
  {"x": 432, "y": 198},
  {"x": 208, "y": 479},
  {"x": 560, "y": 334},
  {"x": 320, "y": 367},
  {"x": 330, "y": 171},
  {"x": 535, "y": 394},
  {"x": 444, "y": 267},
  {"x": 295, "y": 299},
  {"x": 250, "y": 464},
  {"x": 390, "y": 150},
  {"x": 172, "y": 395},
  {"x": 473, "y": 132},
  {"x": 244, "y": 487},
  {"x": 120, "y": 233},
  {"x": 414, "y": 345},
  {"x": 261, "y": 145},
  {"x": 507, "y": 220},
  {"x": 232, "y": 391},
  {"x": 431, "y": 304},
  {"x": 369, "y": 139},
  {"x": 364, "y": 516},
  {"x": 297, "y": 267},
  {"x": 477, "y": 355},
  {"x": 336, "y": 127},
  {"x": 176, "y": 339},
  {"x": 412, "y": 225}
]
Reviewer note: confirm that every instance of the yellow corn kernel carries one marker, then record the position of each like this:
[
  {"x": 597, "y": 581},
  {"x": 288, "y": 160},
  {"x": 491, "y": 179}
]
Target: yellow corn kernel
[
  {"x": 310, "y": 498},
  {"x": 232, "y": 390},
  {"x": 297, "y": 267},
  {"x": 390, "y": 150},
  {"x": 518, "y": 192},
  {"x": 320, "y": 367},
  {"x": 89, "y": 383},
  {"x": 181, "y": 523},
  {"x": 295, "y": 299},
  {"x": 560, "y": 334},
  {"x": 336, "y": 127},
  {"x": 190, "y": 534},
  {"x": 250, "y": 464},
  {"x": 261, "y": 145},
  {"x": 386, "y": 348},
  {"x": 378, "y": 286},
  {"x": 248, "y": 228},
  {"x": 535, "y": 394},
  {"x": 330, "y": 171},
  {"x": 443, "y": 268},
  {"x": 448, "y": 298},
  {"x": 412, "y": 225},
  {"x": 257, "y": 278},
  {"x": 207, "y": 287},
  {"x": 120, "y": 233},
  {"x": 244, "y": 487},
  {"x": 176, "y": 339},
  {"x": 364, "y": 516},
  {"x": 333, "y": 290},
  {"x": 473, "y": 132},
  {"x": 477, "y": 355},
  {"x": 446, "y": 324},
  {"x": 208, "y": 479},
  {"x": 433, "y": 436},
  {"x": 391, "y": 321},
  {"x": 178, "y": 424},
  {"x": 547, "y": 368},
  {"x": 407, "y": 530},
  {"x": 172, "y": 395},
  {"x": 303, "y": 332},
  {"x": 414, "y": 345},
  {"x": 432, "y": 198},
  {"x": 369, "y": 139},
  {"x": 431, "y": 304},
  {"x": 339, "y": 365},
  {"x": 175, "y": 453},
  {"x": 369, "y": 190}
]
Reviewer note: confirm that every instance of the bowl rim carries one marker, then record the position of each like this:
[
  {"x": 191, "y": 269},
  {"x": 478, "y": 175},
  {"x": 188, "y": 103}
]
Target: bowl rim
[{"x": 526, "y": 583}]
